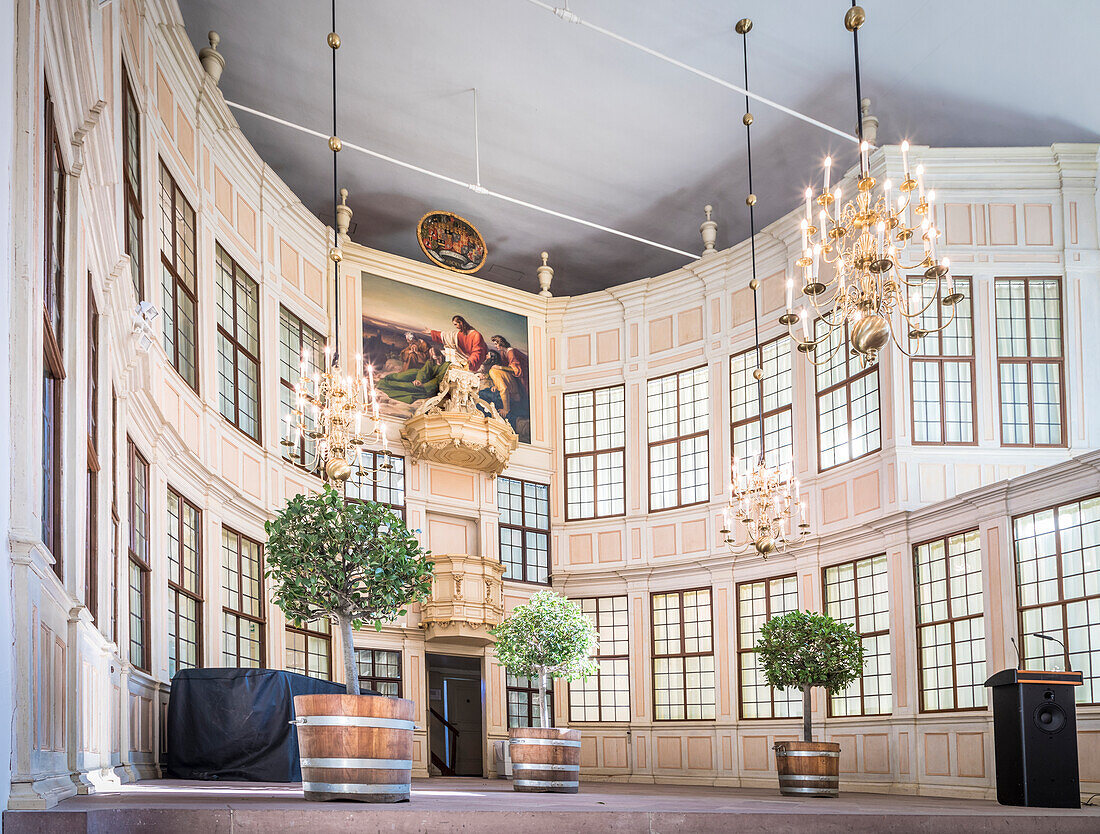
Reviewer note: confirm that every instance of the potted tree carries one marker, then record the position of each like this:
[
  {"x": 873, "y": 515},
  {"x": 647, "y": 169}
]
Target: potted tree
[
  {"x": 352, "y": 563},
  {"x": 548, "y": 637},
  {"x": 804, "y": 650}
]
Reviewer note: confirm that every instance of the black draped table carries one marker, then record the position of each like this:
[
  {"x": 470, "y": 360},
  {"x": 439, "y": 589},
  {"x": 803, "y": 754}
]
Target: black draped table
[{"x": 234, "y": 724}]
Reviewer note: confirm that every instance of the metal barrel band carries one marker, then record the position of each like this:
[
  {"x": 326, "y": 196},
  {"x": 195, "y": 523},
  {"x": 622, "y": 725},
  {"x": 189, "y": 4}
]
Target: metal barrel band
[
  {"x": 827, "y": 754},
  {"x": 353, "y": 787},
  {"x": 353, "y": 721},
  {"x": 536, "y": 766},
  {"x": 543, "y": 783},
  {"x": 828, "y": 781},
  {"x": 812, "y": 791},
  {"x": 553, "y": 742},
  {"x": 361, "y": 764}
]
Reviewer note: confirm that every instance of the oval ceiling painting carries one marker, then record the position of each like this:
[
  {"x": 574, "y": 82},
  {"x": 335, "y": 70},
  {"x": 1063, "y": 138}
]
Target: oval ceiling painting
[{"x": 451, "y": 242}]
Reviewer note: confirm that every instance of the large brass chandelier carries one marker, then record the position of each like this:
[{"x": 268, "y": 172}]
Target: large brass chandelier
[
  {"x": 880, "y": 246},
  {"x": 338, "y": 411},
  {"x": 764, "y": 500}
]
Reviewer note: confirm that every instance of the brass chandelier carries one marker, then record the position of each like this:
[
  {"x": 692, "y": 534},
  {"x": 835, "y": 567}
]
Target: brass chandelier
[
  {"x": 763, "y": 499},
  {"x": 338, "y": 411},
  {"x": 865, "y": 241}
]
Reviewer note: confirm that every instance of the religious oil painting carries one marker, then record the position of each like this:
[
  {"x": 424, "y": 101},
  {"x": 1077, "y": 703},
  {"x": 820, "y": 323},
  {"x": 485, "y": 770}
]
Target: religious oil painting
[
  {"x": 451, "y": 242},
  {"x": 405, "y": 328}
]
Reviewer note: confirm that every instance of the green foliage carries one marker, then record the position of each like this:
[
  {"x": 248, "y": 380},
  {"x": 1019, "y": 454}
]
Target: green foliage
[
  {"x": 333, "y": 558},
  {"x": 801, "y": 649},
  {"x": 547, "y": 635}
]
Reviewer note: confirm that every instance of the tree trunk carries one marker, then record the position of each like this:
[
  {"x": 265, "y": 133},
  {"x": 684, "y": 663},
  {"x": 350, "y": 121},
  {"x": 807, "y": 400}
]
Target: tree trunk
[
  {"x": 544, "y": 706},
  {"x": 807, "y": 729},
  {"x": 351, "y": 672}
]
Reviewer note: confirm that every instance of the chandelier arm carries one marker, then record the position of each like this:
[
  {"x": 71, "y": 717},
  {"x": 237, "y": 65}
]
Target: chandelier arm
[
  {"x": 897, "y": 343},
  {"x": 919, "y": 285},
  {"x": 823, "y": 313},
  {"x": 811, "y": 355},
  {"x": 945, "y": 325}
]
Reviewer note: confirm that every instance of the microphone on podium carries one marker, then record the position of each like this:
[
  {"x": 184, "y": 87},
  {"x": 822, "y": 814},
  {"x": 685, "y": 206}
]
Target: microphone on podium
[{"x": 1042, "y": 636}]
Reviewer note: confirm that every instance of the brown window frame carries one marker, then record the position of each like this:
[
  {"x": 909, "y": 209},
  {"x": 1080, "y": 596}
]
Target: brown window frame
[
  {"x": 862, "y": 635},
  {"x": 524, "y": 528},
  {"x": 849, "y": 380},
  {"x": 55, "y": 229},
  {"x": 941, "y": 360},
  {"x": 301, "y": 460},
  {"x": 371, "y": 681},
  {"x": 131, "y": 185},
  {"x": 176, "y": 583},
  {"x": 682, "y": 654},
  {"x": 1030, "y": 361},
  {"x": 598, "y": 674},
  {"x": 677, "y": 441},
  {"x": 593, "y": 455},
  {"x": 949, "y": 621},
  {"x": 236, "y": 275},
  {"x": 741, "y": 650},
  {"x": 139, "y": 555},
  {"x": 168, "y": 263},
  {"x": 372, "y": 485},
  {"x": 768, "y": 414},
  {"x": 306, "y": 633},
  {"x": 531, "y": 695},
  {"x": 1062, "y": 603},
  {"x": 239, "y": 612},
  {"x": 91, "y": 544}
]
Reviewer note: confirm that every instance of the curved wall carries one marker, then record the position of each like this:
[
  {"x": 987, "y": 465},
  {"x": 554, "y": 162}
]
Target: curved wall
[{"x": 85, "y": 716}]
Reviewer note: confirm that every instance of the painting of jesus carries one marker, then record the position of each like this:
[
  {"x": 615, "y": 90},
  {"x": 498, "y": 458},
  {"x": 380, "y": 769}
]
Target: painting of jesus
[{"x": 405, "y": 331}]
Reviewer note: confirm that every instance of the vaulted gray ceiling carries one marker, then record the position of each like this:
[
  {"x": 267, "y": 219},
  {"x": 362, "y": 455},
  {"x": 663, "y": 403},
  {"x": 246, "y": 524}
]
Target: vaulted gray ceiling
[{"x": 576, "y": 122}]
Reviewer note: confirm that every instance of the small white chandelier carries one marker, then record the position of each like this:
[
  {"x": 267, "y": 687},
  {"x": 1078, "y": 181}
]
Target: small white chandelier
[
  {"x": 864, "y": 241},
  {"x": 339, "y": 412},
  {"x": 763, "y": 500}
]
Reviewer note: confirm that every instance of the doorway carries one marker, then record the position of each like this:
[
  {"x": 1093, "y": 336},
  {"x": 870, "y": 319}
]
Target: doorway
[{"x": 456, "y": 697}]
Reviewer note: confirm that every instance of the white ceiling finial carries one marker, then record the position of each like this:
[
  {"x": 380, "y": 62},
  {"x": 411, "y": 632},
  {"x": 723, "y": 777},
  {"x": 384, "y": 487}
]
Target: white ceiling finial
[
  {"x": 343, "y": 215},
  {"x": 546, "y": 275},
  {"x": 870, "y": 123},
  {"x": 709, "y": 230},
  {"x": 213, "y": 62}
]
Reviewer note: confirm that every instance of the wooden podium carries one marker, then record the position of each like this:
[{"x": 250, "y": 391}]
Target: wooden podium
[{"x": 1035, "y": 738}]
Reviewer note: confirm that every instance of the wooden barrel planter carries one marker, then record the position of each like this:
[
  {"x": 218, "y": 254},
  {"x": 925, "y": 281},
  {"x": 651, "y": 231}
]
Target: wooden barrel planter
[
  {"x": 545, "y": 760},
  {"x": 808, "y": 768},
  {"x": 355, "y": 746}
]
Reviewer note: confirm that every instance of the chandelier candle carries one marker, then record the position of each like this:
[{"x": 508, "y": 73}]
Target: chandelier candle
[{"x": 874, "y": 292}]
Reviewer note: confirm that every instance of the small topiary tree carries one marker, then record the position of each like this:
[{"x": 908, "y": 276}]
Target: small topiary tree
[
  {"x": 547, "y": 637},
  {"x": 353, "y": 562},
  {"x": 803, "y": 650}
]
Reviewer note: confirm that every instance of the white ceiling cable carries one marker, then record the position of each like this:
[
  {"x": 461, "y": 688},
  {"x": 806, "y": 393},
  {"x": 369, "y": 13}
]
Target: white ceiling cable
[
  {"x": 475, "y": 187},
  {"x": 571, "y": 17},
  {"x": 567, "y": 15}
]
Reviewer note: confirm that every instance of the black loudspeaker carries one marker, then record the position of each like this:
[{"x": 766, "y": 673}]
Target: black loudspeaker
[{"x": 1035, "y": 738}]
